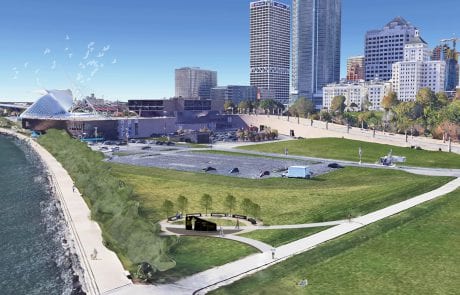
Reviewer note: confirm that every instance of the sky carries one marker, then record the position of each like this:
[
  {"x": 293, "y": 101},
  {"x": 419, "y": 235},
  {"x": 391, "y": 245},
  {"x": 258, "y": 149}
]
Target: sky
[{"x": 120, "y": 49}]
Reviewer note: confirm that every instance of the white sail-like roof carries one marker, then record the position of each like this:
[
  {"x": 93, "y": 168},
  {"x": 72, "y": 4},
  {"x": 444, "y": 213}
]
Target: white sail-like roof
[{"x": 55, "y": 103}]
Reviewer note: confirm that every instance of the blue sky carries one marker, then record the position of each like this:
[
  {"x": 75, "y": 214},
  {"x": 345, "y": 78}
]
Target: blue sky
[{"x": 148, "y": 39}]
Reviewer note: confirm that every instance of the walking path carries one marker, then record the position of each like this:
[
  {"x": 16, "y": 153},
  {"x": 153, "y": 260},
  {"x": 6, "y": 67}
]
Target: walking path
[
  {"x": 219, "y": 276},
  {"x": 105, "y": 273}
]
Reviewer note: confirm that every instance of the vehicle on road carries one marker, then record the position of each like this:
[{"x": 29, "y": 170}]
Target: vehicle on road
[
  {"x": 298, "y": 172},
  {"x": 335, "y": 166},
  {"x": 209, "y": 168}
]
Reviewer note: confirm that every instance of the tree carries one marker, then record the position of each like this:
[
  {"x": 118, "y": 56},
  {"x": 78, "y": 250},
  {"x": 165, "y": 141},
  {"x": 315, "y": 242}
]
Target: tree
[
  {"x": 206, "y": 202},
  {"x": 230, "y": 203},
  {"x": 167, "y": 207},
  {"x": 338, "y": 104},
  {"x": 182, "y": 203},
  {"x": 426, "y": 97},
  {"x": 389, "y": 101},
  {"x": 256, "y": 210},
  {"x": 302, "y": 107},
  {"x": 325, "y": 116},
  {"x": 442, "y": 99},
  {"x": 244, "y": 105},
  {"x": 228, "y": 105},
  {"x": 366, "y": 104},
  {"x": 246, "y": 206}
]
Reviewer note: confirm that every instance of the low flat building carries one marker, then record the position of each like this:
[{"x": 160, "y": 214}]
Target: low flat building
[{"x": 357, "y": 93}]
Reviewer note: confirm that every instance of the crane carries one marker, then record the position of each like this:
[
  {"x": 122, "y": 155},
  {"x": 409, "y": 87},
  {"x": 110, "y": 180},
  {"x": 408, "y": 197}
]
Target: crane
[{"x": 454, "y": 41}]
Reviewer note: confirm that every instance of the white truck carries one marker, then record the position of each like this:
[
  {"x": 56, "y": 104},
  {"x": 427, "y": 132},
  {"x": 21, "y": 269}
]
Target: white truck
[{"x": 299, "y": 172}]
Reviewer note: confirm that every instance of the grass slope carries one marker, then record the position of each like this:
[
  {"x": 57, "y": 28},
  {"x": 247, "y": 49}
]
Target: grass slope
[
  {"x": 415, "y": 252},
  {"x": 125, "y": 228},
  {"x": 188, "y": 254},
  {"x": 346, "y": 149},
  {"x": 278, "y": 237},
  {"x": 283, "y": 201}
]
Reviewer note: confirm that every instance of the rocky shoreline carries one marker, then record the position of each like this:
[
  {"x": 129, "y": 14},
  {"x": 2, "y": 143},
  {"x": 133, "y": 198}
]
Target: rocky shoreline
[{"x": 66, "y": 258}]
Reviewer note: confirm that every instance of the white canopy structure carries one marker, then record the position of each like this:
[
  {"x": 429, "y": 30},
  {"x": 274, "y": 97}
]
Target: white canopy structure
[{"x": 54, "y": 104}]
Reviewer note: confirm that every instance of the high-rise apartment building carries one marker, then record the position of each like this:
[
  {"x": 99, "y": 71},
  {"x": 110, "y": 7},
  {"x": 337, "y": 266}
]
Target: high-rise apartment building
[
  {"x": 355, "y": 68},
  {"x": 385, "y": 47},
  {"x": 450, "y": 56},
  {"x": 195, "y": 83},
  {"x": 417, "y": 71},
  {"x": 316, "y": 36},
  {"x": 269, "y": 48}
]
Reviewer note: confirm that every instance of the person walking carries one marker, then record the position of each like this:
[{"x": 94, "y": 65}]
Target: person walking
[{"x": 273, "y": 253}]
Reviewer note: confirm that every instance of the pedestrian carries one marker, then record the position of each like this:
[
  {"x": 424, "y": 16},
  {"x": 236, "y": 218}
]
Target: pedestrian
[
  {"x": 221, "y": 231},
  {"x": 73, "y": 188},
  {"x": 273, "y": 253}
]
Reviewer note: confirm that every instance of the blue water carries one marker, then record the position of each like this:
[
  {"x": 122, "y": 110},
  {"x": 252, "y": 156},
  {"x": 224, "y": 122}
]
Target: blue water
[{"x": 33, "y": 258}]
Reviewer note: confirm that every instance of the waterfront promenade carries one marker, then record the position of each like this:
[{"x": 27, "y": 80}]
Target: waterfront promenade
[{"x": 105, "y": 273}]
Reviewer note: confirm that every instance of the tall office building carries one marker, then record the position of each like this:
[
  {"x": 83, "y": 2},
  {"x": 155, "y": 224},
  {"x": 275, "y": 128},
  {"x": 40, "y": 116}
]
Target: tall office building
[
  {"x": 195, "y": 83},
  {"x": 417, "y": 71},
  {"x": 316, "y": 34},
  {"x": 270, "y": 44},
  {"x": 385, "y": 47},
  {"x": 355, "y": 68}
]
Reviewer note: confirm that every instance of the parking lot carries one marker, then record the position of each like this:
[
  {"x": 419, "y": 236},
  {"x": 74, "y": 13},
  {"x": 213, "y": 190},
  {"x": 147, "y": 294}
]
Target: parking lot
[{"x": 181, "y": 157}]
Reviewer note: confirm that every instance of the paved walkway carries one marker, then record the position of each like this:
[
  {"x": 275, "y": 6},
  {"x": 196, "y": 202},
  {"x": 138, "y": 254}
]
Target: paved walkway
[
  {"x": 228, "y": 273},
  {"x": 105, "y": 273},
  {"x": 304, "y": 128}
]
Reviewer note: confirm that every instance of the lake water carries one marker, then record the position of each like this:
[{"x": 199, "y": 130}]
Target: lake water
[{"x": 34, "y": 258}]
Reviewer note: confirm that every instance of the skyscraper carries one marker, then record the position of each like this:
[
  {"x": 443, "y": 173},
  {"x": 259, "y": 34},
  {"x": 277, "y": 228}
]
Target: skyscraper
[
  {"x": 355, "y": 68},
  {"x": 270, "y": 44},
  {"x": 316, "y": 36},
  {"x": 195, "y": 83},
  {"x": 385, "y": 47}
]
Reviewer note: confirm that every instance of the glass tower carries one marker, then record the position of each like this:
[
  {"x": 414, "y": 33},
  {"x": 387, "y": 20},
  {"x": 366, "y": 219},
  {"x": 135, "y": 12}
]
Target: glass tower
[{"x": 316, "y": 36}]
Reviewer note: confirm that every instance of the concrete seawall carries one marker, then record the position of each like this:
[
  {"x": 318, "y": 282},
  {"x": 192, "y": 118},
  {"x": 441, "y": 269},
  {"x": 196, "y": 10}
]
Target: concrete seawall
[
  {"x": 318, "y": 129},
  {"x": 105, "y": 273}
]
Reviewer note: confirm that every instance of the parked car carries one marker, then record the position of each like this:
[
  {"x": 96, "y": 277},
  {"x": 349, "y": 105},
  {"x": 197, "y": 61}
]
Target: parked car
[
  {"x": 234, "y": 170},
  {"x": 335, "y": 166},
  {"x": 169, "y": 143},
  {"x": 146, "y": 148},
  {"x": 264, "y": 173},
  {"x": 159, "y": 143}
]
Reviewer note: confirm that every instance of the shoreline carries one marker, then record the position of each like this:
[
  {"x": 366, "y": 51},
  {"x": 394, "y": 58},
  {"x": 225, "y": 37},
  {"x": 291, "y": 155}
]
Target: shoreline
[{"x": 104, "y": 274}]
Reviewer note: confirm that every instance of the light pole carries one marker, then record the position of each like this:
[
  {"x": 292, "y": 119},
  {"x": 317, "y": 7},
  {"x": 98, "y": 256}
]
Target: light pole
[{"x": 360, "y": 152}]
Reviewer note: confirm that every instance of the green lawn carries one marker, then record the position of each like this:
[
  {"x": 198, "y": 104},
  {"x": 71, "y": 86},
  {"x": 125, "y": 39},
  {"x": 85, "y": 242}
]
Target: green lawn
[
  {"x": 415, "y": 252},
  {"x": 283, "y": 201},
  {"x": 196, "y": 254},
  {"x": 278, "y": 237},
  {"x": 345, "y": 149}
]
